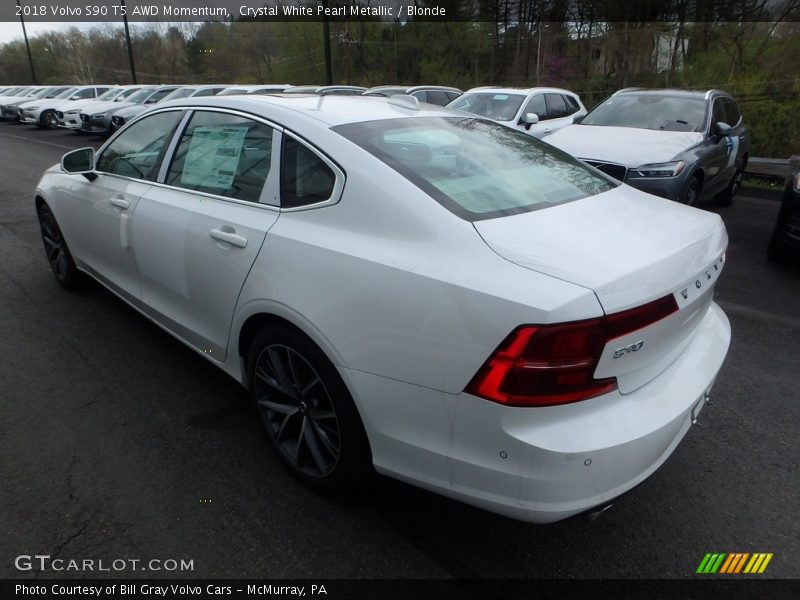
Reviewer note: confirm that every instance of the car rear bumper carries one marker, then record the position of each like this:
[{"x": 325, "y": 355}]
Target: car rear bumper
[{"x": 539, "y": 464}]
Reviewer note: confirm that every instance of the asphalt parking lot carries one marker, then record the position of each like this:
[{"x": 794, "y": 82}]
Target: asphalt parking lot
[{"x": 118, "y": 442}]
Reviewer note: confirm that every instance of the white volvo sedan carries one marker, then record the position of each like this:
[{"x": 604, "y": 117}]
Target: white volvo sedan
[{"x": 409, "y": 288}]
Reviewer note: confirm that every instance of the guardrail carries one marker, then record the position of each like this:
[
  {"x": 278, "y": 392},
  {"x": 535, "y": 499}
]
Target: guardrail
[{"x": 777, "y": 168}]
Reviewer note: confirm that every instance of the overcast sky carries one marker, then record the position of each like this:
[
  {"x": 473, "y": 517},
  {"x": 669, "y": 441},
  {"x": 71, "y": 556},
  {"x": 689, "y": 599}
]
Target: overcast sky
[{"x": 10, "y": 31}]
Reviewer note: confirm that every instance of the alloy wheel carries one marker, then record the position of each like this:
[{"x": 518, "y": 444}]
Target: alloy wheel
[
  {"x": 54, "y": 246},
  {"x": 297, "y": 409}
]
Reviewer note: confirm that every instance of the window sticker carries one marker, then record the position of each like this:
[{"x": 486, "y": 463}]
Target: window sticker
[
  {"x": 500, "y": 97},
  {"x": 213, "y": 156}
]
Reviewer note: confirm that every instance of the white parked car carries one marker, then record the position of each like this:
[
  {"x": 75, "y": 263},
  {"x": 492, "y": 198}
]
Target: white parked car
[
  {"x": 69, "y": 116},
  {"x": 537, "y": 111},
  {"x": 408, "y": 287},
  {"x": 122, "y": 116},
  {"x": 43, "y": 112}
]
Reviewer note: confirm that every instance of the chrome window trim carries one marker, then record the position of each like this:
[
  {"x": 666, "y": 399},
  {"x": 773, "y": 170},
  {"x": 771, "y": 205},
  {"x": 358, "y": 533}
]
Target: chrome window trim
[{"x": 338, "y": 184}]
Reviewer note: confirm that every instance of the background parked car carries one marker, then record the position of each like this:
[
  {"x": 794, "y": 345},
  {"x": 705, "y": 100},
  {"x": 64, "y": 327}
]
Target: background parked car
[
  {"x": 100, "y": 122},
  {"x": 10, "y": 108},
  {"x": 122, "y": 116},
  {"x": 679, "y": 144},
  {"x": 43, "y": 112},
  {"x": 785, "y": 241},
  {"x": 432, "y": 94},
  {"x": 537, "y": 111},
  {"x": 69, "y": 116}
]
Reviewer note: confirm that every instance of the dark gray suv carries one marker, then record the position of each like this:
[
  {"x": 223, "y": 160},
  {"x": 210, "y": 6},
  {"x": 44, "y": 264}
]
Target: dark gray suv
[{"x": 679, "y": 144}]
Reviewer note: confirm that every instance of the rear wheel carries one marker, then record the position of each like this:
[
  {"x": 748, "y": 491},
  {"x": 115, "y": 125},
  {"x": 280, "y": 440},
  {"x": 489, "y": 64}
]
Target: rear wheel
[
  {"x": 726, "y": 196},
  {"x": 48, "y": 120},
  {"x": 57, "y": 252},
  {"x": 308, "y": 414},
  {"x": 691, "y": 193}
]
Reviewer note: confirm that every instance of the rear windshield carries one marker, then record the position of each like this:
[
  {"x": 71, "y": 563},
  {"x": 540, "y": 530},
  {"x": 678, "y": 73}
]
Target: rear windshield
[
  {"x": 650, "y": 111},
  {"x": 493, "y": 105},
  {"x": 476, "y": 168}
]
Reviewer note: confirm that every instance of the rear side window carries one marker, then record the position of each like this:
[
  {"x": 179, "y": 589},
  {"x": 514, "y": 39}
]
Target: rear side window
[
  {"x": 305, "y": 177},
  {"x": 556, "y": 108},
  {"x": 137, "y": 152},
  {"x": 572, "y": 104},
  {"x": 222, "y": 154},
  {"x": 437, "y": 97},
  {"x": 476, "y": 168}
]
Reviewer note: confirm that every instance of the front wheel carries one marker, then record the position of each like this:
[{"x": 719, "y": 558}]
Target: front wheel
[
  {"x": 57, "y": 252},
  {"x": 307, "y": 412},
  {"x": 48, "y": 120},
  {"x": 691, "y": 193}
]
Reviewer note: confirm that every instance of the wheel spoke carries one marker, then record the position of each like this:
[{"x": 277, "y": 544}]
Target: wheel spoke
[
  {"x": 325, "y": 439},
  {"x": 313, "y": 446},
  {"x": 277, "y": 407},
  {"x": 270, "y": 381},
  {"x": 282, "y": 431},
  {"x": 318, "y": 415},
  {"x": 307, "y": 388},
  {"x": 280, "y": 372}
]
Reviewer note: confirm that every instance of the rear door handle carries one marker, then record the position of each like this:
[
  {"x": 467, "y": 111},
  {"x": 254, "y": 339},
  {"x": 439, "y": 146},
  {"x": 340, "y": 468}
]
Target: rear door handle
[
  {"x": 229, "y": 237},
  {"x": 120, "y": 203}
]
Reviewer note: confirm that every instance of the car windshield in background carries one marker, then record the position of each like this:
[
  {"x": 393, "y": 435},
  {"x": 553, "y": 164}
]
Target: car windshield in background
[
  {"x": 127, "y": 95},
  {"x": 650, "y": 111},
  {"x": 179, "y": 93},
  {"x": 500, "y": 107},
  {"x": 140, "y": 96},
  {"x": 475, "y": 168},
  {"x": 110, "y": 94}
]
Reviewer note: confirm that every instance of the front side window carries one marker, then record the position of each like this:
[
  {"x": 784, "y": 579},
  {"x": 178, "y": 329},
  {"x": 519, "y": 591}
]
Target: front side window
[
  {"x": 647, "y": 110},
  {"x": 718, "y": 112},
  {"x": 493, "y": 105},
  {"x": 537, "y": 106},
  {"x": 84, "y": 94},
  {"x": 305, "y": 177},
  {"x": 475, "y": 168},
  {"x": 222, "y": 154},
  {"x": 137, "y": 152}
]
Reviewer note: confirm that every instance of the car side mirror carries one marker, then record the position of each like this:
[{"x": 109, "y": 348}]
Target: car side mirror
[
  {"x": 79, "y": 162},
  {"x": 720, "y": 129},
  {"x": 577, "y": 119},
  {"x": 531, "y": 118}
]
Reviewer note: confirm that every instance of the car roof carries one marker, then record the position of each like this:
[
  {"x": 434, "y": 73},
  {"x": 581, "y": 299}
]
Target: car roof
[
  {"x": 327, "y": 110},
  {"x": 512, "y": 90},
  {"x": 687, "y": 93}
]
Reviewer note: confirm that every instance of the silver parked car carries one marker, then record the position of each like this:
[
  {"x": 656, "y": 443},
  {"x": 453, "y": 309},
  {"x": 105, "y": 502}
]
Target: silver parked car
[{"x": 679, "y": 144}]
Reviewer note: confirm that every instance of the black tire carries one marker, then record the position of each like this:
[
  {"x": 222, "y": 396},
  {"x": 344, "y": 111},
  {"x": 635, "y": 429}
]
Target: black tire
[
  {"x": 726, "y": 196},
  {"x": 48, "y": 120},
  {"x": 307, "y": 412},
  {"x": 691, "y": 193},
  {"x": 57, "y": 252}
]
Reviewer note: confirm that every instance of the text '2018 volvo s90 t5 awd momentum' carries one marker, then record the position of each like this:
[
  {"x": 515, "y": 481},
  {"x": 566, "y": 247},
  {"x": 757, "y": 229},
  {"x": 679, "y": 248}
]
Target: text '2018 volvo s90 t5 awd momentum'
[{"x": 408, "y": 288}]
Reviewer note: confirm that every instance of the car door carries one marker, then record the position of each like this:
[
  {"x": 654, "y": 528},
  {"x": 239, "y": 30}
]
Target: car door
[
  {"x": 535, "y": 104},
  {"x": 197, "y": 231},
  {"x": 100, "y": 226},
  {"x": 715, "y": 153}
]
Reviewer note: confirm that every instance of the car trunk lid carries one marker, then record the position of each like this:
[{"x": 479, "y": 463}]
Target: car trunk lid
[{"x": 631, "y": 249}]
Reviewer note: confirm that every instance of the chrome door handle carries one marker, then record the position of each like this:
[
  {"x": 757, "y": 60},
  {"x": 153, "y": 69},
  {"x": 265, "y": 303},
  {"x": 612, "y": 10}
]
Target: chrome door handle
[
  {"x": 229, "y": 237},
  {"x": 120, "y": 203}
]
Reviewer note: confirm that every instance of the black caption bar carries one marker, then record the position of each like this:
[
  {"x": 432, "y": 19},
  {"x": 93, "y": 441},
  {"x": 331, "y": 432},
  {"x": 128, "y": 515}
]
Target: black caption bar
[
  {"x": 368, "y": 589},
  {"x": 400, "y": 10}
]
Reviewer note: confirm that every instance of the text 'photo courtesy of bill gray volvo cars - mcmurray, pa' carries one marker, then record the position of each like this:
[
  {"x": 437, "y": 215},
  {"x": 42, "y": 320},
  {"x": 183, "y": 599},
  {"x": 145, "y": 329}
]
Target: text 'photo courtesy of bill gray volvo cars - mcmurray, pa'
[{"x": 409, "y": 289}]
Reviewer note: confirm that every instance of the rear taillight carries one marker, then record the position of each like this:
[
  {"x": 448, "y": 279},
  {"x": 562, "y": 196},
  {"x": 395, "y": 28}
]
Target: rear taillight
[{"x": 546, "y": 365}]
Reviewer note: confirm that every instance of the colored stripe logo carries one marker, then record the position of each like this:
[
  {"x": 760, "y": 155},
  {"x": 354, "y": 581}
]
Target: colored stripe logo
[{"x": 734, "y": 562}]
